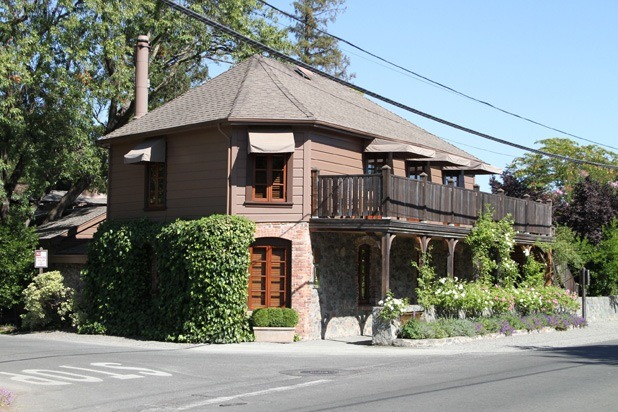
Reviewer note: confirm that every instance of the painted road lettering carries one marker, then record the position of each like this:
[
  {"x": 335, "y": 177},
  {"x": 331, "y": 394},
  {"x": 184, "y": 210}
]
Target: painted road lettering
[{"x": 50, "y": 377}]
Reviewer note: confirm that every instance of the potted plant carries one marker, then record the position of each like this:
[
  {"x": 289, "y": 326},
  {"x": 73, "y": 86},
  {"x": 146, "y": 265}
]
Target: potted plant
[{"x": 274, "y": 324}]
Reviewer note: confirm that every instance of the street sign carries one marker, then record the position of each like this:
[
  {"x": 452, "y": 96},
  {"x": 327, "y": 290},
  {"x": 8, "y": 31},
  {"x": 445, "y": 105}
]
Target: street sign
[{"x": 40, "y": 258}]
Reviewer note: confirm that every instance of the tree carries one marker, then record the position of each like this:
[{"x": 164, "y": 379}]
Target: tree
[
  {"x": 546, "y": 175},
  {"x": 591, "y": 207},
  {"x": 66, "y": 77},
  {"x": 312, "y": 45},
  {"x": 517, "y": 186}
]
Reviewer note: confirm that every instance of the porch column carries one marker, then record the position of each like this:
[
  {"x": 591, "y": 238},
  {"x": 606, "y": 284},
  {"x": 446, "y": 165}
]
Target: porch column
[
  {"x": 450, "y": 262},
  {"x": 385, "y": 246}
]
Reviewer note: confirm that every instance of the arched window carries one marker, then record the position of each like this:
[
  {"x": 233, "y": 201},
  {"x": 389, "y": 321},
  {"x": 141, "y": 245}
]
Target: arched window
[
  {"x": 364, "y": 275},
  {"x": 269, "y": 273}
]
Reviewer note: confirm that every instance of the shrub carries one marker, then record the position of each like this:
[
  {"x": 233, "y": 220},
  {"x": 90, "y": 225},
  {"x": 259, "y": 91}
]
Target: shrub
[
  {"x": 274, "y": 317},
  {"x": 392, "y": 308},
  {"x": 16, "y": 265},
  {"x": 6, "y": 397},
  {"x": 48, "y": 302}
]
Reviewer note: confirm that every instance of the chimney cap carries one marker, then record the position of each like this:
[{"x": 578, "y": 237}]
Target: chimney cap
[{"x": 143, "y": 38}]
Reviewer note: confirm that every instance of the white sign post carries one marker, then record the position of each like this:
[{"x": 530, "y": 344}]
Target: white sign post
[{"x": 40, "y": 259}]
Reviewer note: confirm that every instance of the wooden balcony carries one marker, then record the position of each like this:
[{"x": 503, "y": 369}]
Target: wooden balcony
[{"x": 386, "y": 196}]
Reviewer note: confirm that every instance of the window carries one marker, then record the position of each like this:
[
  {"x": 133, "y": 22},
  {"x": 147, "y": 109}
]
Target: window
[
  {"x": 156, "y": 181},
  {"x": 364, "y": 275},
  {"x": 414, "y": 170},
  {"x": 374, "y": 164},
  {"x": 457, "y": 177},
  {"x": 269, "y": 181},
  {"x": 269, "y": 273}
]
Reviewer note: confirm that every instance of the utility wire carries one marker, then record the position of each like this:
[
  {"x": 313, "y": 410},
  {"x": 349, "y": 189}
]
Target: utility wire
[
  {"x": 291, "y": 16},
  {"x": 367, "y": 92}
]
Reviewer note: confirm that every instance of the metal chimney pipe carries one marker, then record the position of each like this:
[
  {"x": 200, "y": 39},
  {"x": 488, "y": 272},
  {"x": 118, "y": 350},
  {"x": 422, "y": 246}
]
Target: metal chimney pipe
[{"x": 141, "y": 76}]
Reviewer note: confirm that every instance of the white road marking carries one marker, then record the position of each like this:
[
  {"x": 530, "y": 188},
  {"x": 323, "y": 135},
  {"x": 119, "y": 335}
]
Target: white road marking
[
  {"x": 112, "y": 374},
  {"x": 250, "y": 394}
]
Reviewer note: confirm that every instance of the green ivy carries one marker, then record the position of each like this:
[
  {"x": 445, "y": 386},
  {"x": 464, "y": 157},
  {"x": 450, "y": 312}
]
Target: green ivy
[
  {"x": 185, "y": 281},
  {"x": 117, "y": 294},
  {"x": 203, "y": 279}
]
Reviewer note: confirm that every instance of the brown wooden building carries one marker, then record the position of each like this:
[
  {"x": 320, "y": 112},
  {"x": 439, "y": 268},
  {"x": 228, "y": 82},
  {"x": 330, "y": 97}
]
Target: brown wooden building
[{"x": 344, "y": 192}]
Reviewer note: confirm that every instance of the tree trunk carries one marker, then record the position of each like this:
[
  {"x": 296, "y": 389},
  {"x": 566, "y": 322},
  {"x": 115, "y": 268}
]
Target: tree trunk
[{"x": 76, "y": 189}]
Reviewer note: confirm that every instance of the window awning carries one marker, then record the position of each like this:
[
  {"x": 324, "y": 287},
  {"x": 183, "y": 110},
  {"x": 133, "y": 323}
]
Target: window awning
[
  {"x": 271, "y": 142},
  {"x": 445, "y": 159},
  {"x": 152, "y": 150},
  {"x": 476, "y": 169},
  {"x": 385, "y": 146}
]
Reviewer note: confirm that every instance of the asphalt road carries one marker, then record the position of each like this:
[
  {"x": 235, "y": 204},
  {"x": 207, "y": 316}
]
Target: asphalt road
[{"x": 557, "y": 371}]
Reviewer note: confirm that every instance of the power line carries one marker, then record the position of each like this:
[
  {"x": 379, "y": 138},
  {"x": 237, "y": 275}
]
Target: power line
[
  {"x": 291, "y": 16},
  {"x": 367, "y": 92}
]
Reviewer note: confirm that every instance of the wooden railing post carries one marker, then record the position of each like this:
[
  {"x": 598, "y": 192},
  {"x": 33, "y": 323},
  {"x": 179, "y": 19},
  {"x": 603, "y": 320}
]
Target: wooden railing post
[
  {"x": 500, "y": 212},
  {"x": 479, "y": 199},
  {"x": 386, "y": 190},
  {"x": 315, "y": 173},
  {"x": 527, "y": 214},
  {"x": 423, "y": 193},
  {"x": 451, "y": 185}
]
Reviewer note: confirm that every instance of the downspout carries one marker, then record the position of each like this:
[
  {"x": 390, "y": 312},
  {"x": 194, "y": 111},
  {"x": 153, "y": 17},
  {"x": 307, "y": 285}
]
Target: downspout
[{"x": 229, "y": 169}]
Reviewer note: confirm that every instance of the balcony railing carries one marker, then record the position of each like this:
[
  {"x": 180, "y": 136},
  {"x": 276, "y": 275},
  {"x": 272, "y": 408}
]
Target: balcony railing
[{"x": 385, "y": 195}]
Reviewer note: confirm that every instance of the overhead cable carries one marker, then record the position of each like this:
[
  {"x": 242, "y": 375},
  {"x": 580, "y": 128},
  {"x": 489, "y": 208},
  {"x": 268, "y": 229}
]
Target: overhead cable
[
  {"x": 291, "y": 16},
  {"x": 367, "y": 92}
]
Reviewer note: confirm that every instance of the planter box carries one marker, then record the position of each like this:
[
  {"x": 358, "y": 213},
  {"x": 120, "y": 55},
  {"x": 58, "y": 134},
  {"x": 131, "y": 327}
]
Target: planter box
[{"x": 274, "y": 335}]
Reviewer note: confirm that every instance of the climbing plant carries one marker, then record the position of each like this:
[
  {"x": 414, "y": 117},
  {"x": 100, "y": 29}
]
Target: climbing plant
[{"x": 492, "y": 243}]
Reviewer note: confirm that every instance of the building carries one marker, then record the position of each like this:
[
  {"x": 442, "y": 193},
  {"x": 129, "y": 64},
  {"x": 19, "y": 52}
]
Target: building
[{"x": 344, "y": 192}]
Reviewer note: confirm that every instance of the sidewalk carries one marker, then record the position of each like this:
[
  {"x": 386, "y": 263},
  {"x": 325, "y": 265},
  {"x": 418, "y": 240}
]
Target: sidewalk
[{"x": 596, "y": 332}]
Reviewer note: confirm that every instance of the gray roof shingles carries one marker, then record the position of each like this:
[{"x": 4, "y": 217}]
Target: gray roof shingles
[{"x": 262, "y": 89}]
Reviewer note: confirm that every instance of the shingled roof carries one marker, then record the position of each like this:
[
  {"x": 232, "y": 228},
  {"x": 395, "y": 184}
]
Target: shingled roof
[{"x": 260, "y": 89}]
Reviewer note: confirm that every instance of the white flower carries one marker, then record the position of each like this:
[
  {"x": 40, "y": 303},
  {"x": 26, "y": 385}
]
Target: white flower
[{"x": 381, "y": 303}]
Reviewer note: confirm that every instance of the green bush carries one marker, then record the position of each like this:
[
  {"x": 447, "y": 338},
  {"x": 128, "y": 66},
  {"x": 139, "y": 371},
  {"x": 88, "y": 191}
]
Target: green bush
[
  {"x": 48, "y": 302},
  {"x": 274, "y": 317},
  {"x": 16, "y": 266}
]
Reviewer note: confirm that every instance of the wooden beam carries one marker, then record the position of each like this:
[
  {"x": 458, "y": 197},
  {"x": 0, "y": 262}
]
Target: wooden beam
[
  {"x": 450, "y": 262},
  {"x": 385, "y": 247}
]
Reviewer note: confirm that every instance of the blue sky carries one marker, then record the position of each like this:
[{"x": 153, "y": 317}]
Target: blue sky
[{"x": 555, "y": 62}]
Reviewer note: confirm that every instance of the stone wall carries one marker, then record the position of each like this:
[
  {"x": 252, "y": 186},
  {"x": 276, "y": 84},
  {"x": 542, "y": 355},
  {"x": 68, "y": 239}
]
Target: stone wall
[{"x": 601, "y": 308}]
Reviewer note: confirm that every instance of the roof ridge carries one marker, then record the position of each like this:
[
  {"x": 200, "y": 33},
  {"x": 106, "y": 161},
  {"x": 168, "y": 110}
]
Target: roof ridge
[
  {"x": 284, "y": 90},
  {"x": 249, "y": 63}
]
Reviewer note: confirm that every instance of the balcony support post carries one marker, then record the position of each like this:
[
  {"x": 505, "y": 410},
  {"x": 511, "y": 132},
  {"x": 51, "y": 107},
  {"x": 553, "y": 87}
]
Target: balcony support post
[
  {"x": 315, "y": 174},
  {"x": 450, "y": 262},
  {"x": 385, "y": 247}
]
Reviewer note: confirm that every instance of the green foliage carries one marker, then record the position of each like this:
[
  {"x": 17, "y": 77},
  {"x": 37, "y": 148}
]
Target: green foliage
[
  {"x": 313, "y": 46},
  {"x": 550, "y": 174},
  {"x": 67, "y": 77},
  {"x": 185, "y": 281},
  {"x": 604, "y": 275},
  {"x": 533, "y": 273},
  {"x": 505, "y": 324},
  {"x": 17, "y": 244},
  {"x": 492, "y": 243},
  {"x": 203, "y": 279},
  {"x": 48, "y": 302},
  {"x": 426, "y": 280},
  {"x": 117, "y": 294},
  {"x": 274, "y": 317}
]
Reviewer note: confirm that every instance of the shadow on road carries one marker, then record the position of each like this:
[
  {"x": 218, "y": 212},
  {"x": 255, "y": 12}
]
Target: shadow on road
[{"x": 597, "y": 354}]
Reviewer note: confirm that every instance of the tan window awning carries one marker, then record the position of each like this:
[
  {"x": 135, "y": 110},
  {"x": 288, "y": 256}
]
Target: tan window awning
[
  {"x": 476, "y": 169},
  {"x": 444, "y": 159},
  {"x": 271, "y": 142},
  {"x": 385, "y": 146},
  {"x": 152, "y": 150}
]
